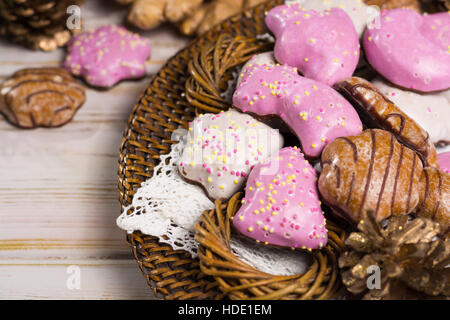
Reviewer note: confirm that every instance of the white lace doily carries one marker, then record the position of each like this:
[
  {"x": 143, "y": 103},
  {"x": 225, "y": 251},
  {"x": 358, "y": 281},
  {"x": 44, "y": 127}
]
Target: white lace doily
[
  {"x": 166, "y": 205},
  {"x": 272, "y": 260}
]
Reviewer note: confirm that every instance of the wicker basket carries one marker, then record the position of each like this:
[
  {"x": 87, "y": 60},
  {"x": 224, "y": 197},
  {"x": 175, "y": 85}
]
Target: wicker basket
[{"x": 189, "y": 83}]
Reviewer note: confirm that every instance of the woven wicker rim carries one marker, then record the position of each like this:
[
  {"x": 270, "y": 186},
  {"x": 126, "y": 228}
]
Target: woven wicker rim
[{"x": 241, "y": 281}]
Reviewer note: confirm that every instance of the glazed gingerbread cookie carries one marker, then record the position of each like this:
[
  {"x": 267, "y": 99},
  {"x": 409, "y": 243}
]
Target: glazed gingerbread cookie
[
  {"x": 380, "y": 112},
  {"x": 370, "y": 171},
  {"x": 281, "y": 205},
  {"x": 323, "y": 46},
  {"x": 430, "y": 110},
  {"x": 222, "y": 148},
  {"x": 316, "y": 113},
  {"x": 373, "y": 171},
  {"x": 435, "y": 196},
  {"x": 407, "y": 51},
  {"x": 107, "y": 55},
  {"x": 40, "y": 97}
]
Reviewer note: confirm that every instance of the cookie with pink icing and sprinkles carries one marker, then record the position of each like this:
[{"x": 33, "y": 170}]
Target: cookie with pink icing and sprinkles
[
  {"x": 221, "y": 149},
  {"x": 436, "y": 27},
  {"x": 107, "y": 55},
  {"x": 324, "y": 46},
  {"x": 315, "y": 112},
  {"x": 444, "y": 161},
  {"x": 281, "y": 205},
  {"x": 410, "y": 50},
  {"x": 357, "y": 10}
]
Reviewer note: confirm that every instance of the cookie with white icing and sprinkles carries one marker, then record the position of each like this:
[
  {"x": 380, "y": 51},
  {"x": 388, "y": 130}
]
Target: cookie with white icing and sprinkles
[
  {"x": 107, "y": 55},
  {"x": 221, "y": 149}
]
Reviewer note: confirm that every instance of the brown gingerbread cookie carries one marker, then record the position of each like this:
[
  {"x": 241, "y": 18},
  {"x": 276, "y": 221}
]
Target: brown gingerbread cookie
[
  {"x": 377, "y": 111},
  {"x": 373, "y": 171},
  {"x": 40, "y": 97},
  {"x": 435, "y": 196},
  {"x": 370, "y": 171}
]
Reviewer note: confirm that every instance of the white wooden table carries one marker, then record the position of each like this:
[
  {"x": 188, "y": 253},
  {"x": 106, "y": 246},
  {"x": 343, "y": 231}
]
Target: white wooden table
[{"x": 58, "y": 187}]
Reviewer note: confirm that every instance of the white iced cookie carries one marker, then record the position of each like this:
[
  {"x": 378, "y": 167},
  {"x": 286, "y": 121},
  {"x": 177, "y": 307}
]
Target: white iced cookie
[
  {"x": 356, "y": 9},
  {"x": 221, "y": 149},
  {"x": 430, "y": 110}
]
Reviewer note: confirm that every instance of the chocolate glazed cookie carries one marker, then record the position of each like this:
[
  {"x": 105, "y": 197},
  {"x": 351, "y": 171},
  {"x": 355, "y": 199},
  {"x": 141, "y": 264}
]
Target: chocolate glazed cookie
[
  {"x": 373, "y": 171},
  {"x": 379, "y": 112},
  {"x": 435, "y": 196},
  {"x": 40, "y": 97}
]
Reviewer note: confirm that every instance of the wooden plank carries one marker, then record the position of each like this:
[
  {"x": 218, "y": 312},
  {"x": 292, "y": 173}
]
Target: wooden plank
[
  {"x": 54, "y": 279},
  {"x": 58, "y": 192}
]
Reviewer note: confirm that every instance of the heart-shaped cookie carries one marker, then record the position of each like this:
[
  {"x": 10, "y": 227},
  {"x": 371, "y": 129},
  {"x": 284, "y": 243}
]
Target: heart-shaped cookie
[
  {"x": 324, "y": 46},
  {"x": 281, "y": 205},
  {"x": 315, "y": 112}
]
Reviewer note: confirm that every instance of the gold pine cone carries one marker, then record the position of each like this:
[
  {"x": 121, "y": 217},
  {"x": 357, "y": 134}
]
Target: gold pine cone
[
  {"x": 411, "y": 256},
  {"x": 36, "y": 24}
]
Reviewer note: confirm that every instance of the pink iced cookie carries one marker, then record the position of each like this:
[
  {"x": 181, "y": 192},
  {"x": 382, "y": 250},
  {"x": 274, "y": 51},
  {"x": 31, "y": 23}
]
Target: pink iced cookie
[
  {"x": 281, "y": 205},
  {"x": 107, "y": 55},
  {"x": 408, "y": 53},
  {"x": 444, "y": 161},
  {"x": 315, "y": 112},
  {"x": 324, "y": 46},
  {"x": 436, "y": 27},
  {"x": 357, "y": 10},
  {"x": 262, "y": 87}
]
